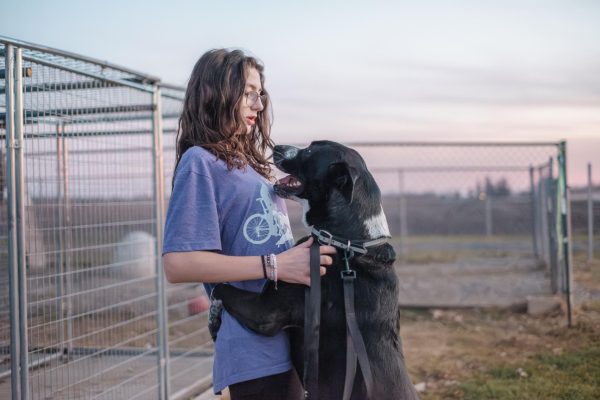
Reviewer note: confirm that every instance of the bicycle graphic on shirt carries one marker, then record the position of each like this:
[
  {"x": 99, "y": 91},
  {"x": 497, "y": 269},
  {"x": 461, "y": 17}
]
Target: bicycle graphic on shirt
[{"x": 259, "y": 228}]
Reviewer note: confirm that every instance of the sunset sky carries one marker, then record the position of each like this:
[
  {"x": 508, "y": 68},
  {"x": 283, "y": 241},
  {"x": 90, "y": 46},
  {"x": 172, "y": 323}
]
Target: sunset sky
[{"x": 367, "y": 71}]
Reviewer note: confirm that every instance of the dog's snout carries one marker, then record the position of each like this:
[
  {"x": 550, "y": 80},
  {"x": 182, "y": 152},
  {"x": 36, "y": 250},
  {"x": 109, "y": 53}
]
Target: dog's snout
[
  {"x": 282, "y": 153},
  {"x": 290, "y": 152}
]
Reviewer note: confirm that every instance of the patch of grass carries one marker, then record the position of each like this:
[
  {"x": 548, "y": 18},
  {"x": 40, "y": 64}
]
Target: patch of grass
[
  {"x": 574, "y": 375},
  {"x": 450, "y": 256},
  {"x": 414, "y": 314}
]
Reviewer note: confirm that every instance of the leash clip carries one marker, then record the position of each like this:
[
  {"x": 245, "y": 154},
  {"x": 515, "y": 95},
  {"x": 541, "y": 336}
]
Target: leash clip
[{"x": 348, "y": 274}]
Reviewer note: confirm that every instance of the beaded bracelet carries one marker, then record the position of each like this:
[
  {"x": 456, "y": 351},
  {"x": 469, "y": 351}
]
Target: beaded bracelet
[
  {"x": 275, "y": 269},
  {"x": 270, "y": 267}
]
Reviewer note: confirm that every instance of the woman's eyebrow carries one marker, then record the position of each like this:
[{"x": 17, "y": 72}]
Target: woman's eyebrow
[{"x": 251, "y": 86}]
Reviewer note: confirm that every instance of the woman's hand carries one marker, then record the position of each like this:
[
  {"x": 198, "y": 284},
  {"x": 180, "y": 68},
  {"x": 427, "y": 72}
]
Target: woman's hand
[{"x": 293, "y": 265}]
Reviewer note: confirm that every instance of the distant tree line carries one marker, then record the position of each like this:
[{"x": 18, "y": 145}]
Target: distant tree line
[{"x": 498, "y": 189}]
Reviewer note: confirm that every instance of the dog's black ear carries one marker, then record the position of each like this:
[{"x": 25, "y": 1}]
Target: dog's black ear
[{"x": 343, "y": 177}]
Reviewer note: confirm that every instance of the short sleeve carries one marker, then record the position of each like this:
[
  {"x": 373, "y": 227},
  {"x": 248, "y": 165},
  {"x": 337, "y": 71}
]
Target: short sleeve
[{"x": 192, "y": 222}]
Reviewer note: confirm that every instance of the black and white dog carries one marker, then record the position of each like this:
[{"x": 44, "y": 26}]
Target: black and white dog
[{"x": 340, "y": 196}]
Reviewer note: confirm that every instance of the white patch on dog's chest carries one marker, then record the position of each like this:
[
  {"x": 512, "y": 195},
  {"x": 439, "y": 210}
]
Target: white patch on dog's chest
[{"x": 377, "y": 226}]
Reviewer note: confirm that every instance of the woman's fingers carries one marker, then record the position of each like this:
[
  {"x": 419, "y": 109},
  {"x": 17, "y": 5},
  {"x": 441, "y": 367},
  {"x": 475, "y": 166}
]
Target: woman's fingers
[
  {"x": 327, "y": 250},
  {"x": 326, "y": 260}
]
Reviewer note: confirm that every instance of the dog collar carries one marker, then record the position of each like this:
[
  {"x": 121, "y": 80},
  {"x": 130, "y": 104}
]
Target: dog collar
[{"x": 357, "y": 246}]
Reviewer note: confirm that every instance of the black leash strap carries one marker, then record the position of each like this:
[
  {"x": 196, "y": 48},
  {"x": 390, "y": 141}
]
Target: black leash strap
[
  {"x": 355, "y": 345},
  {"x": 312, "y": 321}
]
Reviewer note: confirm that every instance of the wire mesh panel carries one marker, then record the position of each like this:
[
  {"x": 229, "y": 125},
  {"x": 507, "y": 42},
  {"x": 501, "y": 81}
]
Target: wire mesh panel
[
  {"x": 458, "y": 209},
  {"x": 89, "y": 234},
  {"x": 189, "y": 340},
  {"x": 91, "y": 285}
]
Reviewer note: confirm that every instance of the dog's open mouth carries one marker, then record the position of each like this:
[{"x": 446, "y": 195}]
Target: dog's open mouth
[{"x": 288, "y": 186}]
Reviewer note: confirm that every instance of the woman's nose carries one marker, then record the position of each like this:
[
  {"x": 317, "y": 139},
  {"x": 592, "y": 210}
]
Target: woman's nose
[{"x": 258, "y": 105}]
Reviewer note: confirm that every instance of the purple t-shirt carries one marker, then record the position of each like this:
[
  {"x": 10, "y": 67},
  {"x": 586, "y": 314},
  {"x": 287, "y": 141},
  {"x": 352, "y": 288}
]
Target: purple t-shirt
[{"x": 233, "y": 213}]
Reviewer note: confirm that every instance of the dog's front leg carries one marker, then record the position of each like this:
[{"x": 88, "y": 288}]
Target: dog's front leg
[{"x": 268, "y": 312}]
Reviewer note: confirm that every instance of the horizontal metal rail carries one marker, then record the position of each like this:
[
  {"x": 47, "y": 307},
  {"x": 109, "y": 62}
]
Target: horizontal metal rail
[
  {"x": 41, "y": 135},
  {"x": 67, "y": 54},
  {"x": 74, "y": 112},
  {"x": 121, "y": 82},
  {"x": 63, "y": 86},
  {"x": 450, "y": 169},
  {"x": 450, "y": 144},
  {"x": 122, "y": 351},
  {"x": 35, "y": 363},
  {"x": 76, "y": 119},
  {"x": 440, "y": 144}
]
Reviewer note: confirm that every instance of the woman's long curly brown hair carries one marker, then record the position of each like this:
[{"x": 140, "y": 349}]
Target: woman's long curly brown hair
[{"x": 210, "y": 116}]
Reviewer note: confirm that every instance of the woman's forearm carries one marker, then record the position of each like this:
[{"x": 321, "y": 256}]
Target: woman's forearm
[{"x": 209, "y": 267}]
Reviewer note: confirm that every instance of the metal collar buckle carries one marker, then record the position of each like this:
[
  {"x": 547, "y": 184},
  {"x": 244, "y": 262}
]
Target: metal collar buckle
[{"x": 323, "y": 234}]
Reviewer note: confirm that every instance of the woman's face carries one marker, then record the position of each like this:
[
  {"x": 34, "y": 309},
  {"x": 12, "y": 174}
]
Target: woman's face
[{"x": 251, "y": 103}]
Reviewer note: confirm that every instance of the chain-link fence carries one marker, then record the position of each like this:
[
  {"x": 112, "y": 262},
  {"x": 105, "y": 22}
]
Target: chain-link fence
[
  {"x": 585, "y": 218},
  {"x": 84, "y": 308},
  {"x": 473, "y": 224},
  {"x": 84, "y": 312}
]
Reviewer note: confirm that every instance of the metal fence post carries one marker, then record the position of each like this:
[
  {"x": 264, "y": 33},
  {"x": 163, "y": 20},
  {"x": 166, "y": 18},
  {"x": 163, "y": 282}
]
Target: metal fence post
[
  {"x": 543, "y": 214},
  {"x": 565, "y": 224},
  {"x": 590, "y": 215},
  {"x": 21, "y": 223},
  {"x": 553, "y": 245},
  {"x": 533, "y": 213},
  {"x": 488, "y": 216},
  {"x": 11, "y": 184},
  {"x": 65, "y": 283},
  {"x": 403, "y": 216},
  {"x": 158, "y": 193}
]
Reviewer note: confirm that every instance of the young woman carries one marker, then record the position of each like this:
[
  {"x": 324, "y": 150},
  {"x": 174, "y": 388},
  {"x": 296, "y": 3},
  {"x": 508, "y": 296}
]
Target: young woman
[{"x": 224, "y": 216}]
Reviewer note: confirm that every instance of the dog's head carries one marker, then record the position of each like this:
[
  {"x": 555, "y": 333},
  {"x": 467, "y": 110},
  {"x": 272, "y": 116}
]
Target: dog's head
[{"x": 334, "y": 186}]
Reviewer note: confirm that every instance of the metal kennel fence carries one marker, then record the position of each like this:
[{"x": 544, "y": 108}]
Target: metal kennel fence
[
  {"x": 89, "y": 147},
  {"x": 85, "y": 311},
  {"x": 473, "y": 224}
]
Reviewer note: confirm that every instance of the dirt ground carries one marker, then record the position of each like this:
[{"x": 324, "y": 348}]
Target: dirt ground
[
  {"x": 504, "y": 353},
  {"x": 455, "y": 354}
]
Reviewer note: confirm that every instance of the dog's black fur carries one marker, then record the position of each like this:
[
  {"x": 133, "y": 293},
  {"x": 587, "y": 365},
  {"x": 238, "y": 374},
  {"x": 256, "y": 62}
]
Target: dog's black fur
[{"x": 342, "y": 197}]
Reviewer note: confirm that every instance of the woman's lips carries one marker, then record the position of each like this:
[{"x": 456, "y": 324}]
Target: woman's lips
[{"x": 251, "y": 120}]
